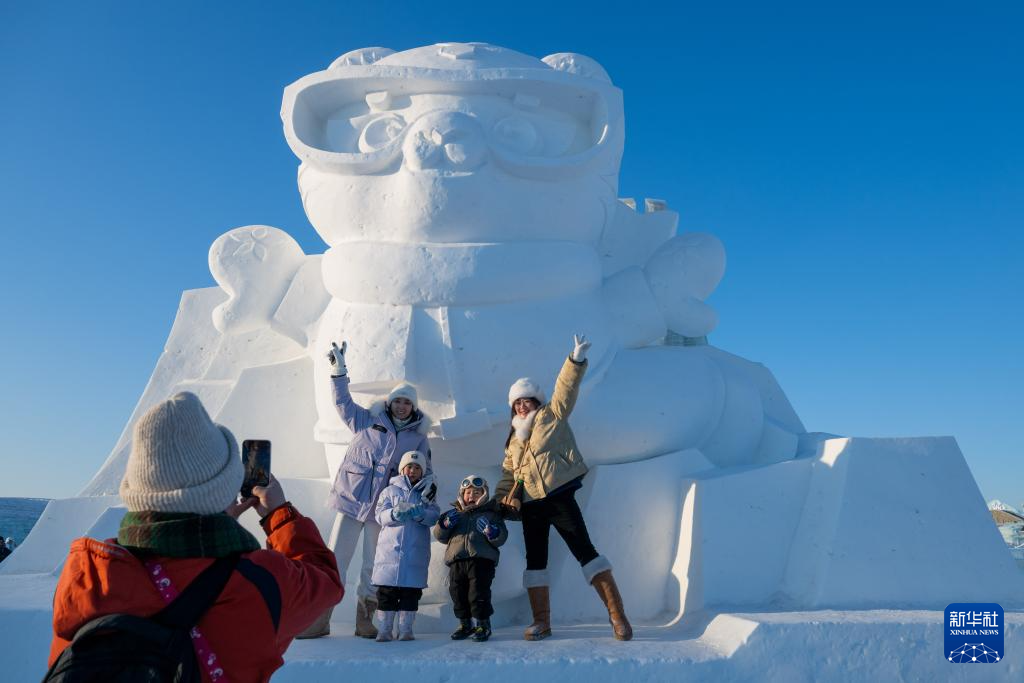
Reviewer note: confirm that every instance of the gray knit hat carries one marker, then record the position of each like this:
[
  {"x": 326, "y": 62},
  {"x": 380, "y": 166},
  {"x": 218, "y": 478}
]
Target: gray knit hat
[{"x": 181, "y": 461}]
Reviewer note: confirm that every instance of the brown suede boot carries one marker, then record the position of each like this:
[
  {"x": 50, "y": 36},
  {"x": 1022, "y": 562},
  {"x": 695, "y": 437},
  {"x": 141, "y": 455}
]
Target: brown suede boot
[
  {"x": 319, "y": 628},
  {"x": 365, "y": 608},
  {"x": 540, "y": 603},
  {"x": 605, "y": 586}
]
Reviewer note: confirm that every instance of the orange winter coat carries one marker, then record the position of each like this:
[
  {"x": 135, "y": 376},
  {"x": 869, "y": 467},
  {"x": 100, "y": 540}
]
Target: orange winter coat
[{"x": 272, "y": 596}]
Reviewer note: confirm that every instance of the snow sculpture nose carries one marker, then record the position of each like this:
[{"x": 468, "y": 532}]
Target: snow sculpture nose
[{"x": 445, "y": 140}]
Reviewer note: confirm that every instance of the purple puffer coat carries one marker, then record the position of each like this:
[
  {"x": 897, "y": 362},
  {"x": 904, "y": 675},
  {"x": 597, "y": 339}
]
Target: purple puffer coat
[{"x": 373, "y": 456}]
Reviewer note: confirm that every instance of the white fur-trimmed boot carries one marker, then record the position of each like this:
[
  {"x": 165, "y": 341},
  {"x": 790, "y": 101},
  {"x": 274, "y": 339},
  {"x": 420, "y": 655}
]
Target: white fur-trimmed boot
[
  {"x": 387, "y": 626},
  {"x": 405, "y": 621},
  {"x": 598, "y": 573}
]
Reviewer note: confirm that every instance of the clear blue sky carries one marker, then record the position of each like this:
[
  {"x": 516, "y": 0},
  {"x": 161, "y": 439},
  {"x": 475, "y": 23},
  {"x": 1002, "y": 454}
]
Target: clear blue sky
[{"x": 864, "y": 166}]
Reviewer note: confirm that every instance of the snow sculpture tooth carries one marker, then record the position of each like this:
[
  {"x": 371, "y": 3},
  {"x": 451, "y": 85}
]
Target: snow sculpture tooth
[
  {"x": 254, "y": 265},
  {"x": 575, "y": 63},
  {"x": 362, "y": 57}
]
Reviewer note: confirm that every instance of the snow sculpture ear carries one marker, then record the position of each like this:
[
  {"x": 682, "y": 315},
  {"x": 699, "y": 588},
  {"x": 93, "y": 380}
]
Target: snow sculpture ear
[
  {"x": 575, "y": 63},
  {"x": 362, "y": 57},
  {"x": 254, "y": 265}
]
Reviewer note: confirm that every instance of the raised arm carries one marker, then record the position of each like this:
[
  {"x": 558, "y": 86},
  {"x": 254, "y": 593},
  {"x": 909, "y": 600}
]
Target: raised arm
[
  {"x": 355, "y": 417},
  {"x": 567, "y": 385}
]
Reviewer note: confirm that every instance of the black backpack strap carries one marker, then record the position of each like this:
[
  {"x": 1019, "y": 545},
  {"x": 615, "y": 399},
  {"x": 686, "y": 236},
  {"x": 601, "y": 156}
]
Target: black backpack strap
[
  {"x": 198, "y": 596},
  {"x": 266, "y": 584}
]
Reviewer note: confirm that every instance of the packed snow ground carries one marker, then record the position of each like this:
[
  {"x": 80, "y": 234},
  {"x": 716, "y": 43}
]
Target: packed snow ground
[{"x": 874, "y": 645}]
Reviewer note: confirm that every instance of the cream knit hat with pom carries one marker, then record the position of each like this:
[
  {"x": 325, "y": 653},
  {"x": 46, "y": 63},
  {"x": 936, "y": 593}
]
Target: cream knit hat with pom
[{"x": 181, "y": 461}]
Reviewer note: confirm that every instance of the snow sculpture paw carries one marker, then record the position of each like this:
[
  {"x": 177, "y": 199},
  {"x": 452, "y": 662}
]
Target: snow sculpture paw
[
  {"x": 681, "y": 274},
  {"x": 254, "y": 265}
]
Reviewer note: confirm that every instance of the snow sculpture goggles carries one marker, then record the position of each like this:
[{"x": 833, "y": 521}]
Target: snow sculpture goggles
[
  {"x": 353, "y": 120},
  {"x": 475, "y": 482}
]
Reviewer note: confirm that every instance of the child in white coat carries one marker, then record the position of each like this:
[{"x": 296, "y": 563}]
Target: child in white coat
[{"x": 405, "y": 511}]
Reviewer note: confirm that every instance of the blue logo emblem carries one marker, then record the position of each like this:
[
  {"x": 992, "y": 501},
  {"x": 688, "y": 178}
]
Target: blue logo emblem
[{"x": 974, "y": 633}]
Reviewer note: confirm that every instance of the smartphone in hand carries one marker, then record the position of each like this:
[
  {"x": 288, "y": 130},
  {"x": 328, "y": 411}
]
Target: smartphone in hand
[{"x": 256, "y": 458}]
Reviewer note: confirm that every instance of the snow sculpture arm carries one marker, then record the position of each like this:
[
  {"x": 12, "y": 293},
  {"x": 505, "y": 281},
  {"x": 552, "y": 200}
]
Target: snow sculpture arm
[
  {"x": 681, "y": 274},
  {"x": 355, "y": 417},
  {"x": 567, "y": 388},
  {"x": 668, "y": 293},
  {"x": 255, "y": 265}
]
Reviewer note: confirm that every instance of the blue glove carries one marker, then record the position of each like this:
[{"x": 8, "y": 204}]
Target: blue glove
[
  {"x": 490, "y": 531},
  {"x": 416, "y": 511},
  {"x": 449, "y": 519},
  {"x": 401, "y": 512}
]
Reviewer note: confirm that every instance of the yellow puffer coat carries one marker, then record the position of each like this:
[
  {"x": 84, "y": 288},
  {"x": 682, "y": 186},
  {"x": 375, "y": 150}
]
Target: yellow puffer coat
[{"x": 551, "y": 457}]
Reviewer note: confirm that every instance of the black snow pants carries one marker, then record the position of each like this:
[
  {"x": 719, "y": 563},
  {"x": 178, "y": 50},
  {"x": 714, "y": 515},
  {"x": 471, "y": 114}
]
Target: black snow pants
[
  {"x": 561, "y": 511},
  {"x": 470, "y": 587}
]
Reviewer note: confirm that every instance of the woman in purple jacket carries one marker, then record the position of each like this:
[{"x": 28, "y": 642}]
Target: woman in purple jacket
[{"x": 381, "y": 434}]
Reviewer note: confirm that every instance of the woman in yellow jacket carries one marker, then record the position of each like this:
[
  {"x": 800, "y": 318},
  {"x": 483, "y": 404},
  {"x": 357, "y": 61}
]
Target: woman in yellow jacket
[{"x": 542, "y": 471}]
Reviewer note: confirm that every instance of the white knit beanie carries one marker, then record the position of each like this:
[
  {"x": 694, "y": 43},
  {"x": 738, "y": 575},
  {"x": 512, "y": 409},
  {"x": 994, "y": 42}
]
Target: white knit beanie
[
  {"x": 181, "y": 461},
  {"x": 524, "y": 387},
  {"x": 413, "y": 458},
  {"x": 405, "y": 390}
]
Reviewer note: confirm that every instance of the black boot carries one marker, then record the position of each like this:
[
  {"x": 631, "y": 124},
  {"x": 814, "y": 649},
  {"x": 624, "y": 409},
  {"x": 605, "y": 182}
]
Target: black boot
[
  {"x": 482, "y": 631},
  {"x": 465, "y": 630}
]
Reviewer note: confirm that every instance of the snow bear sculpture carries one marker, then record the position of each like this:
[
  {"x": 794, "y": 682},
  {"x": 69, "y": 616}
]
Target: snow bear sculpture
[{"x": 468, "y": 196}]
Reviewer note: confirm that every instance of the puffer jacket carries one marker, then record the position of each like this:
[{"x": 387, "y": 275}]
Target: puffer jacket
[
  {"x": 272, "y": 596},
  {"x": 465, "y": 541},
  {"x": 403, "y": 548},
  {"x": 373, "y": 456},
  {"x": 550, "y": 458}
]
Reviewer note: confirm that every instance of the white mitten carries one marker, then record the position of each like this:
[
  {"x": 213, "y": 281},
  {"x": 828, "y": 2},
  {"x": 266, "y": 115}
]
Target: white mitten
[
  {"x": 579, "y": 352},
  {"x": 337, "y": 358}
]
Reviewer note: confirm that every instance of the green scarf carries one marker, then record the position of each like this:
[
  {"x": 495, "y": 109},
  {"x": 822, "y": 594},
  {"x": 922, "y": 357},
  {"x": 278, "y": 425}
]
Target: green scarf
[{"x": 177, "y": 534}]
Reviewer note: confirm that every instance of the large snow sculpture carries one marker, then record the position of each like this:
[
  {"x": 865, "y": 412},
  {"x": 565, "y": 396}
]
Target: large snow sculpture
[{"x": 468, "y": 197}]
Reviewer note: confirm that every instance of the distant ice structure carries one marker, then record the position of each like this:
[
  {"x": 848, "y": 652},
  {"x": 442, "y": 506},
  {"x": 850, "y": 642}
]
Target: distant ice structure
[
  {"x": 468, "y": 195},
  {"x": 997, "y": 504}
]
